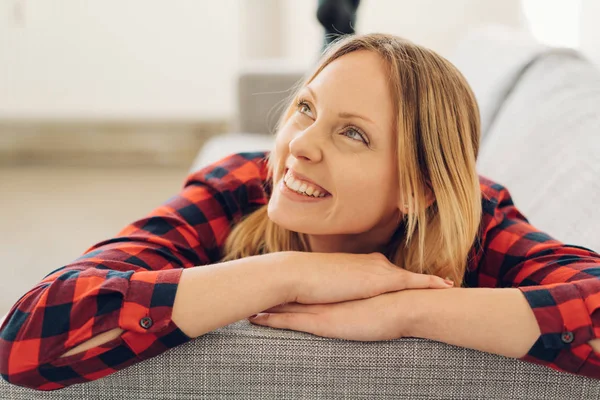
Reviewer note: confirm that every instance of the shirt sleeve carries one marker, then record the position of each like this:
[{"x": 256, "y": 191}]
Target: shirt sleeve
[
  {"x": 127, "y": 282},
  {"x": 560, "y": 282}
]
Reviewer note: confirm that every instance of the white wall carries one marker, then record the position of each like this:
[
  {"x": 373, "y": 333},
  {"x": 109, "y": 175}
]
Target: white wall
[
  {"x": 118, "y": 58},
  {"x": 437, "y": 24},
  {"x": 302, "y": 35},
  {"x": 260, "y": 24},
  {"x": 590, "y": 29},
  {"x": 570, "y": 23},
  {"x": 160, "y": 59},
  {"x": 554, "y": 22}
]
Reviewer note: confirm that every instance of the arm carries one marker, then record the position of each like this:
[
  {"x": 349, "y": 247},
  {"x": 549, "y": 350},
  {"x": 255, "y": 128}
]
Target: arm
[
  {"x": 122, "y": 290},
  {"x": 469, "y": 317},
  {"x": 529, "y": 296},
  {"x": 231, "y": 291},
  {"x": 222, "y": 294}
]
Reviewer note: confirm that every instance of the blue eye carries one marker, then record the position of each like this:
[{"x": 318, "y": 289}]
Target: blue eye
[{"x": 354, "y": 134}]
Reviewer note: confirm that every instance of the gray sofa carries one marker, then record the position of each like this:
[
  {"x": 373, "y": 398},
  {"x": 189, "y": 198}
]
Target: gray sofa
[{"x": 541, "y": 116}]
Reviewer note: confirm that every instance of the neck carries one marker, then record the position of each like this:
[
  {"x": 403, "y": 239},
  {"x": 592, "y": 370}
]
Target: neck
[
  {"x": 374, "y": 240},
  {"x": 356, "y": 243}
]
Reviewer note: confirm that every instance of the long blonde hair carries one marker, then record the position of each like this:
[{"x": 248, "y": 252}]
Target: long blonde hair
[{"x": 438, "y": 140}]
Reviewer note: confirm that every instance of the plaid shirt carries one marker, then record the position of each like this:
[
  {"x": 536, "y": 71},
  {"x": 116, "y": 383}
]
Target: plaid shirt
[{"x": 130, "y": 281}]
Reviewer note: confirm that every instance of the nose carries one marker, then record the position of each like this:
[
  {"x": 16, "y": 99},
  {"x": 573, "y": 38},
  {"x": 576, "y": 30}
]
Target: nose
[{"x": 305, "y": 145}]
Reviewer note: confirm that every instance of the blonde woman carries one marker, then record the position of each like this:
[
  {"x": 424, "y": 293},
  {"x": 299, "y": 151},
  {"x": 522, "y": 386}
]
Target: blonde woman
[{"x": 346, "y": 229}]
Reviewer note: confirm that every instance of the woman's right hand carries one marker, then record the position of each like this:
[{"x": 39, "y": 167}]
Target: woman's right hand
[{"x": 335, "y": 277}]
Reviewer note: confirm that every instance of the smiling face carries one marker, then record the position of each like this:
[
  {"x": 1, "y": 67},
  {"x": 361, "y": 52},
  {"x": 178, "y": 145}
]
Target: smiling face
[{"x": 339, "y": 177}]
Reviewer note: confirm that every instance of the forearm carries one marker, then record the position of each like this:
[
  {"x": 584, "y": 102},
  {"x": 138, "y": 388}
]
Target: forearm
[
  {"x": 494, "y": 320},
  {"x": 212, "y": 296}
]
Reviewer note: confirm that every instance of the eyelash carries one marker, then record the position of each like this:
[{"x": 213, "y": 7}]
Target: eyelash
[{"x": 302, "y": 102}]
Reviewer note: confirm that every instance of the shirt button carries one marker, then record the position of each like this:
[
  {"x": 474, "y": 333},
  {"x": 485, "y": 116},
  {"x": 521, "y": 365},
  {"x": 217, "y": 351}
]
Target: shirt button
[
  {"x": 567, "y": 337},
  {"x": 146, "y": 322}
]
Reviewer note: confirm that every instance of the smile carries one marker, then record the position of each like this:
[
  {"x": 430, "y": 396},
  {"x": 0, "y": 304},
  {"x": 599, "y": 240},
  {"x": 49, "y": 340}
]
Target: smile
[
  {"x": 296, "y": 185},
  {"x": 303, "y": 186}
]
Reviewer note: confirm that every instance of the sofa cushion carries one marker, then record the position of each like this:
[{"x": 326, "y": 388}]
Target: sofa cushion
[
  {"x": 220, "y": 146},
  {"x": 492, "y": 59},
  {"x": 544, "y": 146}
]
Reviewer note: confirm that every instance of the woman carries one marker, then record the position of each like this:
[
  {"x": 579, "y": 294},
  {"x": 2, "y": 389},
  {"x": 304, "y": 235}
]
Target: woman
[{"x": 368, "y": 199}]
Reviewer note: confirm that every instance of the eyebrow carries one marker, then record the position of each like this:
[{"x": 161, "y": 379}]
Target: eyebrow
[{"x": 341, "y": 114}]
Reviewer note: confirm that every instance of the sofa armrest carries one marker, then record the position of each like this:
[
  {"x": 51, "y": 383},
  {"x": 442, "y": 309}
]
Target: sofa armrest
[
  {"x": 242, "y": 360},
  {"x": 221, "y": 146}
]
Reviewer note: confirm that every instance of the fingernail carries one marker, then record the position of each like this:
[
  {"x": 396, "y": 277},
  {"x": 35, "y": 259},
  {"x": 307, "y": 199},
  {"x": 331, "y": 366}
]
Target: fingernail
[
  {"x": 449, "y": 282},
  {"x": 252, "y": 316}
]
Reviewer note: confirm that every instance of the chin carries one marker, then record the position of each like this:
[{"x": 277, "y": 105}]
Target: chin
[
  {"x": 287, "y": 220},
  {"x": 307, "y": 224}
]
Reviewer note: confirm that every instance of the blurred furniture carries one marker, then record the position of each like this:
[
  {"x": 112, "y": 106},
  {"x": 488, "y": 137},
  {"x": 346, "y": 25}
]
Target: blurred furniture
[
  {"x": 541, "y": 139},
  {"x": 263, "y": 89}
]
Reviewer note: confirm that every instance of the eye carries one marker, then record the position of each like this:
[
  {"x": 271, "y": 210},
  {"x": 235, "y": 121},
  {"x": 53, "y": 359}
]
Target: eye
[
  {"x": 351, "y": 132},
  {"x": 355, "y": 134},
  {"x": 303, "y": 107}
]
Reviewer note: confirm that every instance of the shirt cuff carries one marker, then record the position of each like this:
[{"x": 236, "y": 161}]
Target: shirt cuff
[
  {"x": 148, "y": 304},
  {"x": 565, "y": 324}
]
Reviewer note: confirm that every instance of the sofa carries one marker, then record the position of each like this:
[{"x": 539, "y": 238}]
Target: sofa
[{"x": 540, "y": 110}]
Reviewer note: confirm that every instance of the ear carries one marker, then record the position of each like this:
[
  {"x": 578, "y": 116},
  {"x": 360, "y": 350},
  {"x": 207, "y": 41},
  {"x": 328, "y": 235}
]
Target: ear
[
  {"x": 429, "y": 198},
  {"x": 429, "y": 195}
]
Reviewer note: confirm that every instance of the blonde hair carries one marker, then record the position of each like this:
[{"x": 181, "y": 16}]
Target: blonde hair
[{"x": 437, "y": 125}]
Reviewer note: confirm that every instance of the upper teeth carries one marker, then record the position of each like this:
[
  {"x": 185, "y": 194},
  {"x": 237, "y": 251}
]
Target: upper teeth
[{"x": 301, "y": 187}]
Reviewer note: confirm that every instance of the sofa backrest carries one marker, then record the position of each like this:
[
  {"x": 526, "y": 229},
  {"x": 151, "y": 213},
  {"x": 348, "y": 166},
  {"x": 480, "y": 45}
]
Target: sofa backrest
[{"x": 544, "y": 146}]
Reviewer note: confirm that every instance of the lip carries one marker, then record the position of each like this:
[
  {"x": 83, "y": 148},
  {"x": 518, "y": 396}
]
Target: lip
[{"x": 305, "y": 179}]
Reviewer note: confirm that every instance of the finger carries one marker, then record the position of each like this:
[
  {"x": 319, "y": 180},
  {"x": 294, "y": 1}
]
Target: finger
[
  {"x": 423, "y": 281},
  {"x": 293, "y": 308},
  {"x": 294, "y": 321}
]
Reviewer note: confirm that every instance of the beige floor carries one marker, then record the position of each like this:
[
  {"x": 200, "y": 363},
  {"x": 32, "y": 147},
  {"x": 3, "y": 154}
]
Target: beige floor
[{"x": 50, "y": 215}]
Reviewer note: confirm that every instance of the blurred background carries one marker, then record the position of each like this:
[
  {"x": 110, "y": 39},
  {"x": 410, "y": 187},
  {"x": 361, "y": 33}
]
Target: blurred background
[{"x": 105, "y": 105}]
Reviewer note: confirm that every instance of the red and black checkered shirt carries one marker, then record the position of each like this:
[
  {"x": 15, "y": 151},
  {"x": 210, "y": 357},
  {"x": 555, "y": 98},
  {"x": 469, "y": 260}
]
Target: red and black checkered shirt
[{"x": 130, "y": 281}]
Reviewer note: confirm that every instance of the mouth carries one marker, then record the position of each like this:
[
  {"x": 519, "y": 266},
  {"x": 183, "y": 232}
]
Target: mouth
[{"x": 302, "y": 186}]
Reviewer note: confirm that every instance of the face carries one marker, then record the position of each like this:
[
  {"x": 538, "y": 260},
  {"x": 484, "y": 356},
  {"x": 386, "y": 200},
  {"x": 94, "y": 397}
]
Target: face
[{"x": 339, "y": 181}]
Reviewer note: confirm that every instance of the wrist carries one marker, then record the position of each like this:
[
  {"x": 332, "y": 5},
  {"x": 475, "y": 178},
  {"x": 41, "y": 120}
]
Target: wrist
[
  {"x": 284, "y": 266},
  {"x": 411, "y": 312}
]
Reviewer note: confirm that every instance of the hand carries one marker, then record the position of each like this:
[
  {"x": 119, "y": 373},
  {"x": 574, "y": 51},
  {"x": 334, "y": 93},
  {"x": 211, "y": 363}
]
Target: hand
[
  {"x": 335, "y": 277},
  {"x": 382, "y": 317}
]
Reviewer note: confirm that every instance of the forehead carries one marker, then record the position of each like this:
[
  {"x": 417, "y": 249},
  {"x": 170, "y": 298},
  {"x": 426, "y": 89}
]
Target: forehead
[{"x": 357, "y": 82}]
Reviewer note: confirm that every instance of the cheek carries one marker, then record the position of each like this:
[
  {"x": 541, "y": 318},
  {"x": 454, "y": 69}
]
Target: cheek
[{"x": 367, "y": 196}]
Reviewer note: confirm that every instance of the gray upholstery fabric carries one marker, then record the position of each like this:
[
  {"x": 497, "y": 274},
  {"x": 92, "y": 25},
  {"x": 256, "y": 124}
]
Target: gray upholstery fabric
[
  {"x": 545, "y": 147},
  {"x": 492, "y": 58},
  {"x": 244, "y": 361}
]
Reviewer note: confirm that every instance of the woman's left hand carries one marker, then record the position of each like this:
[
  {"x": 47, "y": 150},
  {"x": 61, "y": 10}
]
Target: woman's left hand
[{"x": 382, "y": 317}]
